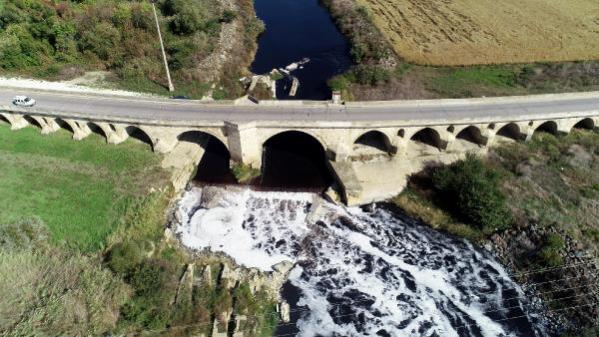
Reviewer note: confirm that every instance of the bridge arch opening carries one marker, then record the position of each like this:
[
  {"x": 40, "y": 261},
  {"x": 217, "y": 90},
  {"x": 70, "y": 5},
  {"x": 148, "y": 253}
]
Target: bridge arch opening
[
  {"x": 547, "y": 127},
  {"x": 4, "y": 120},
  {"x": 295, "y": 160},
  {"x": 472, "y": 134},
  {"x": 374, "y": 140},
  {"x": 138, "y": 134},
  {"x": 32, "y": 121},
  {"x": 95, "y": 128},
  {"x": 215, "y": 164},
  {"x": 64, "y": 125},
  {"x": 586, "y": 123},
  {"x": 511, "y": 131},
  {"x": 429, "y": 137}
]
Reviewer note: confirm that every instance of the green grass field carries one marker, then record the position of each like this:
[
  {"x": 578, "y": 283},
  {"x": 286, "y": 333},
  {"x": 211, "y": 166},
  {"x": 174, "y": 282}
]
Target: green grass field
[{"x": 81, "y": 190}]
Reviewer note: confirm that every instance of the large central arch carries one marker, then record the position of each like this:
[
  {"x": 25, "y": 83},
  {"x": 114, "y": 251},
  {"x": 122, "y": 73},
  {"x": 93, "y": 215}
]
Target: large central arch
[
  {"x": 295, "y": 160},
  {"x": 214, "y": 167}
]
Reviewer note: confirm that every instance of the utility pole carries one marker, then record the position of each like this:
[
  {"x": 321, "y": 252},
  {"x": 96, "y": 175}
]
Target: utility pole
[{"x": 171, "y": 87}]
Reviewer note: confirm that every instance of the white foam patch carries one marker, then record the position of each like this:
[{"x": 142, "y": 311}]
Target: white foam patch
[
  {"x": 361, "y": 273},
  {"x": 225, "y": 228}
]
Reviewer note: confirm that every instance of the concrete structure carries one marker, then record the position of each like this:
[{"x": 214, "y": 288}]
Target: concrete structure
[{"x": 370, "y": 157}]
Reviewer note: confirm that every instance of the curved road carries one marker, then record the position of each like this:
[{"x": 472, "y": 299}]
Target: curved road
[{"x": 173, "y": 110}]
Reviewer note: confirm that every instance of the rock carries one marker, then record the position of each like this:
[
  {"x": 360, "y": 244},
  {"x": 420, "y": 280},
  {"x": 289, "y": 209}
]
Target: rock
[
  {"x": 524, "y": 169},
  {"x": 239, "y": 319},
  {"x": 211, "y": 197},
  {"x": 283, "y": 267},
  {"x": 523, "y": 241},
  {"x": 579, "y": 157},
  {"x": 284, "y": 312},
  {"x": 229, "y": 277},
  {"x": 207, "y": 276}
]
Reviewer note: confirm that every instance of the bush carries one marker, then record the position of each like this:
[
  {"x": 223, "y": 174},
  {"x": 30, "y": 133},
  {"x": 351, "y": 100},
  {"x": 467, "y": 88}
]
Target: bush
[
  {"x": 154, "y": 282},
  {"x": 550, "y": 252},
  {"x": 471, "y": 191},
  {"x": 371, "y": 75},
  {"x": 228, "y": 16},
  {"x": 124, "y": 257}
]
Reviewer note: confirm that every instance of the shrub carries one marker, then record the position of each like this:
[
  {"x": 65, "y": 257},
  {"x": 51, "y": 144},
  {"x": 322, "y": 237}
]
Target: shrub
[
  {"x": 550, "y": 252},
  {"x": 228, "y": 16},
  {"x": 124, "y": 257},
  {"x": 154, "y": 283},
  {"x": 471, "y": 191},
  {"x": 339, "y": 83}
]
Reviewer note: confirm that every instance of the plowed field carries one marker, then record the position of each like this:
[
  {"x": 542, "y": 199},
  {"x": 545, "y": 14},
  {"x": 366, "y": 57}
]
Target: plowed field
[{"x": 465, "y": 32}]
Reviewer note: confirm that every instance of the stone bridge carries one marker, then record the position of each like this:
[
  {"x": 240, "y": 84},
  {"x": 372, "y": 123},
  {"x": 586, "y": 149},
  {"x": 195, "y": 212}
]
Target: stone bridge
[{"x": 370, "y": 159}]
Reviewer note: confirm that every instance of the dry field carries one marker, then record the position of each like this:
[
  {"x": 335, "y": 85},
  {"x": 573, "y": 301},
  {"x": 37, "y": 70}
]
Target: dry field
[{"x": 465, "y": 32}]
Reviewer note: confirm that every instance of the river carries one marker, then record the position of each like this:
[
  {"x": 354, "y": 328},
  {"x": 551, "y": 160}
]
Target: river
[
  {"x": 295, "y": 30},
  {"x": 360, "y": 271}
]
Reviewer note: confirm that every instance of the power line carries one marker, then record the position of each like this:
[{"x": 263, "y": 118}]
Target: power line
[
  {"x": 533, "y": 271},
  {"x": 523, "y": 316},
  {"x": 211, "y": 323},
  {"x": 547, "y": 269}
]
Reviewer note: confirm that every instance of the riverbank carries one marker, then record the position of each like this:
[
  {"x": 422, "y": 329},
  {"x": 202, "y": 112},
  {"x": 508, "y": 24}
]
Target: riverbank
[
  {"x": 380, "y": 74},
  {"x": 83, "y": 249},
  {"x": 113, "y": 44},
  {"x": 549, "y": 190}
]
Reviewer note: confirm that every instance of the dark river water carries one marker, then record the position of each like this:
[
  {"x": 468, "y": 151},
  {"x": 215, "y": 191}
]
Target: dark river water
[{"x": 298, "y": 29}]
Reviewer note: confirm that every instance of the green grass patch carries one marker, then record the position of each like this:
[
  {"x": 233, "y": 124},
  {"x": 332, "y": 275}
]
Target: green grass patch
[
  {"x": 464, "y": 82},
  {"x": 244, "y": 173},
  {"x": 81, "y": 190}
]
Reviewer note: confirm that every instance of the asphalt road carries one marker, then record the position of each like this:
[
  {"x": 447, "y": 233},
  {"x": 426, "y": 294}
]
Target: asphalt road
[{"x": 178, "y": 110}]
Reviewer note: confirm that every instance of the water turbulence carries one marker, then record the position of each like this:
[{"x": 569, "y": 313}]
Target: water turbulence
[
  {"x": 359, "y": 272},
  {"x": 294, "y": 160}
]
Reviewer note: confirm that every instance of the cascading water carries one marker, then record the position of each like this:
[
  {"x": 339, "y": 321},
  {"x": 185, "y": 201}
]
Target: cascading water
[{"x": 360, "y": 273}]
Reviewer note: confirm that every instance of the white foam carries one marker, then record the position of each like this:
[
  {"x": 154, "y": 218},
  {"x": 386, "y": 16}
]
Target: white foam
[{"x": 408, "y": 280}]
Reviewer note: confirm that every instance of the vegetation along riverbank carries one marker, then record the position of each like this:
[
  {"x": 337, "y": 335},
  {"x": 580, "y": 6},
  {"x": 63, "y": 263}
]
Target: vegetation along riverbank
[
  {"x": 83, "y": 250},
  {"x": 114, "y": 44},
  {"x": 383, "y": 70},
  {"x": 536, "y": 205}
]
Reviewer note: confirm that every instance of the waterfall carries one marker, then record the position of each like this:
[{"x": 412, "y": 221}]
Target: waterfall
[{"x": 361, "y": 272}]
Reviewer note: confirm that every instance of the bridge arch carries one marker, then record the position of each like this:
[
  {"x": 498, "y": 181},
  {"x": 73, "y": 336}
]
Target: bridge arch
[
  {"x": 586, "y": 123},
  {"x": 95, "y": 128},
  {"x": 375, "y": 140},
  {"x": 472, "y": 134},
  {"x": 214, "y": 166},
  {"x": 64, "y": 125},
  {"x": 4, "y": 119},
  {"x": 430, "y": 137},
  {"x": 295, "y": 159},
  {"x": 139, "y": 134},
  {"x": 548, "y": 127},
  {"x": 32, "y": 121},
  {"x": 510, "y": 130}
]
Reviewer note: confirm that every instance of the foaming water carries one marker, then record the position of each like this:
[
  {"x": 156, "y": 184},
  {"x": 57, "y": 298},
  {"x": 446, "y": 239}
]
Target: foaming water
[{"x": 361, "y": 273}]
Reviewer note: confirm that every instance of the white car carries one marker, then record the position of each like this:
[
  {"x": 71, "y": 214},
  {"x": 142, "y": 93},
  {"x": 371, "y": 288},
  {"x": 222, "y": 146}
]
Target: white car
[{"x": 23, "y": 101}]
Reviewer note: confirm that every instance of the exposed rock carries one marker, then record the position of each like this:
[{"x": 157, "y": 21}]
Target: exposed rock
[
  {"x": 579, "y": 156},
  {"x": 284, "y": 312},
  {"x": 185, "y": 288},
  {"x": 207, "y": 276}
]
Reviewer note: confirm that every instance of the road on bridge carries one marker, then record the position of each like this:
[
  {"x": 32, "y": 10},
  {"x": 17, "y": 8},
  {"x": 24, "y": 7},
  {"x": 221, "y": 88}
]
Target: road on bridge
[{"x": 179, "y": 110}]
